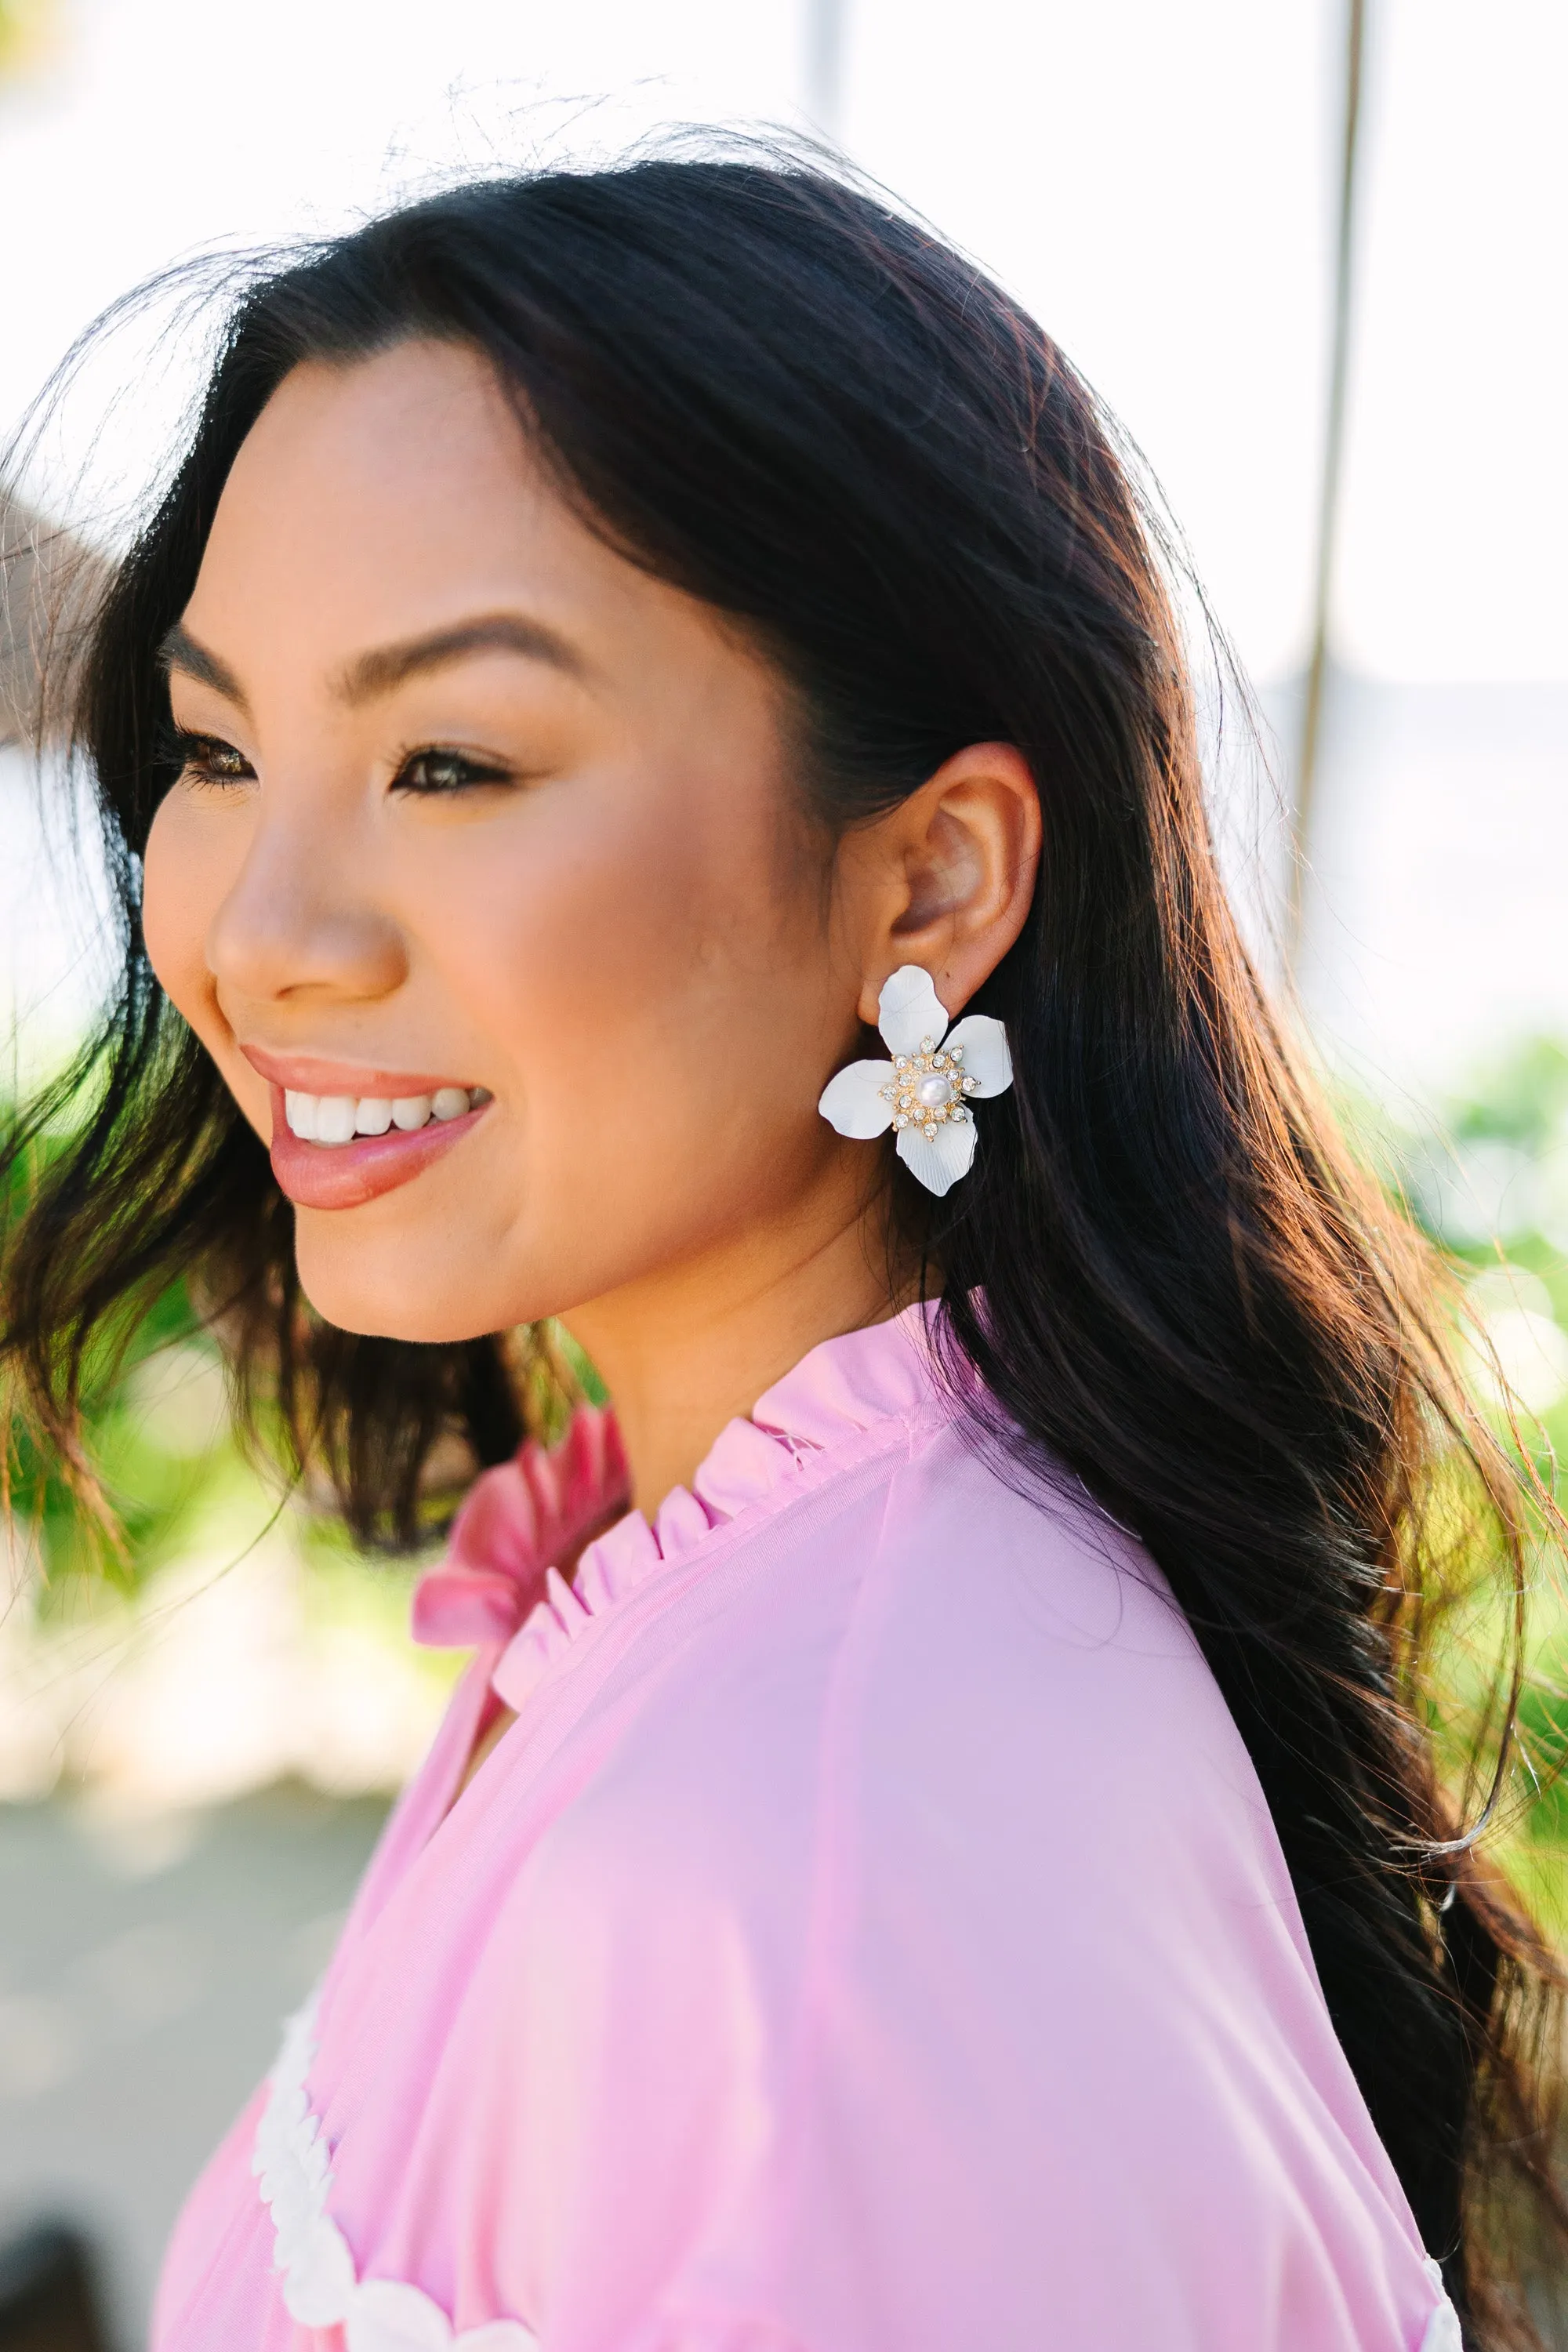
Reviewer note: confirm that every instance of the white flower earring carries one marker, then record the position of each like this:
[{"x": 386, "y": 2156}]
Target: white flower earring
[{"x": 924, "y": 1092}]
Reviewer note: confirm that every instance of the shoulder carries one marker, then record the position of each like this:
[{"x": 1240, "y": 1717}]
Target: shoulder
[
  {"x": 944, "y": 1690},
  {"x": 953, "y": 1928},
  {"x": 1013, "y": 1642},
  {"x": 1025, "y": 1736}
]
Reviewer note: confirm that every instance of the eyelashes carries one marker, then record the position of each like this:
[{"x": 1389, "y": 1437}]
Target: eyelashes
[
  {"x": 434, "y": 770},
  {"x": 207, "y": 759},
  {"x": 430, "y": 773}
]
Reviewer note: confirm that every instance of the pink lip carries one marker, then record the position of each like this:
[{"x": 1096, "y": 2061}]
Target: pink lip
[
  {"x": 346, "y": 1175},
  {"x": 304, "y": 1074}
]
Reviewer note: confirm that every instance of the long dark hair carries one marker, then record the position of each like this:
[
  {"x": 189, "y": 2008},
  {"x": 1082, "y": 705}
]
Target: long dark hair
[{"x": 765, "y": 386}]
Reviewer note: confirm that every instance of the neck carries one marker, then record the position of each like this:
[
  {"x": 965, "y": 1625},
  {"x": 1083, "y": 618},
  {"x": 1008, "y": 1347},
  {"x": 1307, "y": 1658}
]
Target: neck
[{"x": 686, "y": 1351}]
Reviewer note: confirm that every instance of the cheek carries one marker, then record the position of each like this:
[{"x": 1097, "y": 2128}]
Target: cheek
[
  {"x": 657, "y": 978},
  {"x": 192, "y": 859},
  {"x": 643, "y": 994},
  {"x": 670, "y": 950},
  {"x": 182, "y": 885}
]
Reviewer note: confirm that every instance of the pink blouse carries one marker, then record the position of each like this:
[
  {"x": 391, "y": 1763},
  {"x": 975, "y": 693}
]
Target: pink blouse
[{"x": 869, "y": 1937}]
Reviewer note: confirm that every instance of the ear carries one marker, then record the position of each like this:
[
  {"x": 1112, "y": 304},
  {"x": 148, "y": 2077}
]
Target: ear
[{"x": 944, "y": 880}]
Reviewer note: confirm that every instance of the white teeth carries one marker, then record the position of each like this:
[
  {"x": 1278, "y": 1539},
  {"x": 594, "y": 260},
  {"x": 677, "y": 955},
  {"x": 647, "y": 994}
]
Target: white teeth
[
  {"x": 335, "y": 1118},
  {"x": 300, "y": 1113},
  {"x": 338, "y": 1118}
]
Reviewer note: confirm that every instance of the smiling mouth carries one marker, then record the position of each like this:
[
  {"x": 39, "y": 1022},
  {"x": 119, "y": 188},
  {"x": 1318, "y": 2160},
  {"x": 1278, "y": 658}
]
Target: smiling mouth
[
  {"x": 336, "y": 1149},
  {"x": 338, "y": 1120}
]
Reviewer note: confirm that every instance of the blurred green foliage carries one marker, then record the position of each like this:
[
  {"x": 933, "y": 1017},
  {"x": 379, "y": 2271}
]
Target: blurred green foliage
[
  {"x": 1486, "y": 1177},
  {"x": 156, "y": 1433}
]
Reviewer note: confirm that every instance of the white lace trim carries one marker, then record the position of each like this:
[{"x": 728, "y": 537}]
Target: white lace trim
[
  {"x": 320, "y": 2288},
  {"x": 1442, "y": 2329}
]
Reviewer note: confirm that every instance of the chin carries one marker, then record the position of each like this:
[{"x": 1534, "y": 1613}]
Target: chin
[{"x": 429, "y": 1297}]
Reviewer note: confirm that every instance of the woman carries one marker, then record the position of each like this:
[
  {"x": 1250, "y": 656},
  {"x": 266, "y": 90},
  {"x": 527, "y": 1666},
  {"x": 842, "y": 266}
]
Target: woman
[{"x": 940, "y": 1844}]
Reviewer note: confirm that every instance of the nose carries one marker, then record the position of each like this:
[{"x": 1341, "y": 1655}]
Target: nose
[{"x": 297, "y": 924}]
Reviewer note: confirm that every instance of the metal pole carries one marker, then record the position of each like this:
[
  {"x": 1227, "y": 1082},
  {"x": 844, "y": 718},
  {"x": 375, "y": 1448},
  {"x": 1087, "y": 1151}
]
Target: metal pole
[
  {"x": 1310, "y": 747},
  {"x": 825, "y": 31}
]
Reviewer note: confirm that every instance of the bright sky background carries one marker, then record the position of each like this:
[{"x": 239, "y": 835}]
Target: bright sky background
[{"x": 1155, "y": 180}]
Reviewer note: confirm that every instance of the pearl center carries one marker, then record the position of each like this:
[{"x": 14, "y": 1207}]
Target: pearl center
[{"x": 934, "y": 1092}]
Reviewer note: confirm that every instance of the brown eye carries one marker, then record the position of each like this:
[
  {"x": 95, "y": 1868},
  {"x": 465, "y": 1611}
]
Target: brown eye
[
  {"x": 436, "y": 770},
  {"x": 209, "y": 760}
]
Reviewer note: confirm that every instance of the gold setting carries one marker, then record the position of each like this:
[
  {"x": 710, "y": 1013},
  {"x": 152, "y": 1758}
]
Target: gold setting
[{"x": 913, "y": 1071}]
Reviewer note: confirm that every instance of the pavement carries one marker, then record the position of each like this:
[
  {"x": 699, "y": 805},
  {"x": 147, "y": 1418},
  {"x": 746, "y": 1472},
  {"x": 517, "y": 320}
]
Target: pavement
[{"x": 145, "y": 1964}]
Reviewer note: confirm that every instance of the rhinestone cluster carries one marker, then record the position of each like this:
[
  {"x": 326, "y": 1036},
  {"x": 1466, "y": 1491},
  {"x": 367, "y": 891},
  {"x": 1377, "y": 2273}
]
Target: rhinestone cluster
[{"x": 927, "y": 1088}]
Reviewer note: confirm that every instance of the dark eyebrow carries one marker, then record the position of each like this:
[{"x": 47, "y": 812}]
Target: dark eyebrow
[
  {"x": 386, "y": 667},
  {"x": 180, "y": 650},
  {"x": 379, "y": 671}
]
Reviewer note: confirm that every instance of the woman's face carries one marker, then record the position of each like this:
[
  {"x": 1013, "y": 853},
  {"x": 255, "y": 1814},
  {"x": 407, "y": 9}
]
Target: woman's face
[{"x": 478, "y": 820}]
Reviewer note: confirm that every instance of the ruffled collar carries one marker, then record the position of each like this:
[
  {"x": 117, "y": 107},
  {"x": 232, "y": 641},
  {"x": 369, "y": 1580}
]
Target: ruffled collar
[{"x": 500, "y": 1580}]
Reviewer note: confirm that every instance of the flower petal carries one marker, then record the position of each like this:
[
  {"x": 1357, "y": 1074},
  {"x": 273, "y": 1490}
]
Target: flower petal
[
  {"x": 939, "y": 1162},
  {"x": 386, "y": 2316},
  {"x": 854, "y": 1102},
  {"x": 456, "y": 1608},
  {"x": 984, "y": 1043},
  {"x": 320, "y": 2279},
  {"x": 910, "y": 1010}
]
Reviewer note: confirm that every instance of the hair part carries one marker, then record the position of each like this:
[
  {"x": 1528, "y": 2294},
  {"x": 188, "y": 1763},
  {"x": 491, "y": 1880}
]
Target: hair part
[{"x": 769, "y": 389}]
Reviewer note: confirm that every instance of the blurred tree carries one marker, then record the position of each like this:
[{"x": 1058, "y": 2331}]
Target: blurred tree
[{"x": 1488, "y": 1179}]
